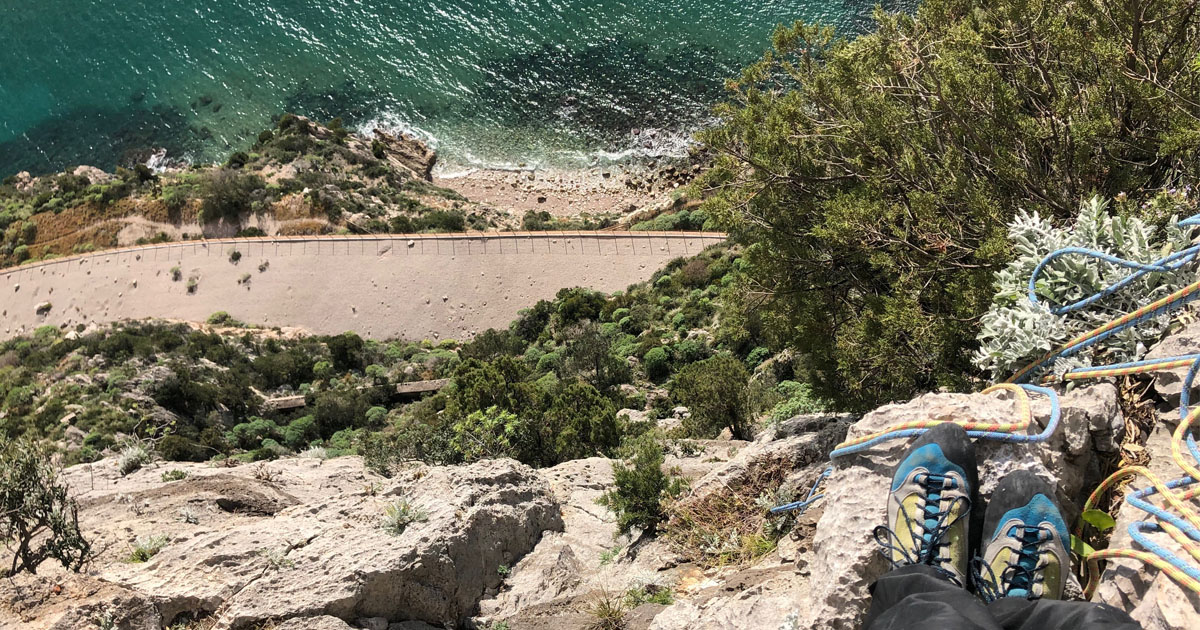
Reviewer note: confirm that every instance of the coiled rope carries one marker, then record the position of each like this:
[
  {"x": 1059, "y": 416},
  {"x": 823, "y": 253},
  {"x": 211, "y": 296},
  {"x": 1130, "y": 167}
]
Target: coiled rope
[{"x": 1185, "y": 531}]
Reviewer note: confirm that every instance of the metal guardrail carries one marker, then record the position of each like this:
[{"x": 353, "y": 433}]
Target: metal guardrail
[{"x": 365, "y": 238}]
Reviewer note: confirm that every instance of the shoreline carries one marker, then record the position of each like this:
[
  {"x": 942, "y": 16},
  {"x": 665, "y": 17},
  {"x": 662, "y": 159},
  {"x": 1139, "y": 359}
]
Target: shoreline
[{"x": 619, "y": 189}]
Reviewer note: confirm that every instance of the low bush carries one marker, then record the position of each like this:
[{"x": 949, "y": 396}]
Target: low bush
[
  {"x": 714, "y": 391},
  {"x": 400, "y": 514},
  {"x": 641, "y": 489},
  {"x": 229, "y": 194},
  {"x": 146, "y": 547},
  {"x": 133, "y": 456},
  {"x": 38, "y": 519},
  {"x": 174, "y": 475}
]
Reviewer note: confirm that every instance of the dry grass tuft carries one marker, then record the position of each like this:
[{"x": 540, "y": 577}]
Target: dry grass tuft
[{"x": 728, "y": 526}]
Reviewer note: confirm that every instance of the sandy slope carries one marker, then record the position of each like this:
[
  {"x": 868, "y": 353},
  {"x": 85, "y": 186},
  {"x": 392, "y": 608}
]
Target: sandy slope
[{"x": 426, "y": 286}]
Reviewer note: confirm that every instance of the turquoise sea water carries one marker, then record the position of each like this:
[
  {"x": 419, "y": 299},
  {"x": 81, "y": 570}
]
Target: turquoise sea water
[{"x": 490, "y": 82}]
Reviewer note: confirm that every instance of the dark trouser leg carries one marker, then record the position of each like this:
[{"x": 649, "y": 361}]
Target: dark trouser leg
[
  {"x": 918, "y": 597},
  {"x": 1046, "y": 614}
]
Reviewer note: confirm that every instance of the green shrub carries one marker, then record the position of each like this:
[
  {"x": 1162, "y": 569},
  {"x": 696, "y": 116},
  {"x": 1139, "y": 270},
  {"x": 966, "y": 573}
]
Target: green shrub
[
  {"x": 38, "y": 519},
  {"x": 757, "y": 356},
  {"x": 1016, "y": 332},
  {"x": 300, "y": 432},
  {"x": 146, "y": 547},
  {"x": 798, "y": 399},
  {"x": 133, "y": 456},
  {"x": 174, "y": 475},
  {"x": 657, "y": 363},
  {"x": 640, "y": 489},
  {"x": 877, "y": 247},
  {"x": 488, "y": 433},
  {"x": 237, "y": 160},
  {"x": 175, "y": 198},
  {"x": 400, "y": 514},
  {"x": 229, "y": 193},
  {"x": 176, "y": 448},
  {"x": 714, "y": 391},
  {"x": 578, "y": 304},
  {"x": 250, "y": 434},
  {"x": 221, "y": 318}
]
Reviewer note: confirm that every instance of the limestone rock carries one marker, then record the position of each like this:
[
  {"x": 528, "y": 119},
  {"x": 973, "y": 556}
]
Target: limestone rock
[
  {"x": 758, "y": 597},
  {"x": 73, "y": 602},
  {"x": 1150, "y": 597},
  {"x": 793, "y": 446},
  {"x": 324, "y": 622},
  {"x": 304, "y": 538},
  {"x": 94, "y": 175},
  {"x": 562, "y": 560},
  {"x": 1169, "y": 383},
  {"x": 410, "y": 153},
  {"x": 633, "y": 415}
]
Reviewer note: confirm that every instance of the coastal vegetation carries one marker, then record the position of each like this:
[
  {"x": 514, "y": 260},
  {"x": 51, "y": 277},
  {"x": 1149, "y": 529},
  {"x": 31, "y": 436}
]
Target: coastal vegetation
[
  {"x": 310, "y": 178},
  {"x": 547, "y": 389},
  {"x": 873, "y": 180}
]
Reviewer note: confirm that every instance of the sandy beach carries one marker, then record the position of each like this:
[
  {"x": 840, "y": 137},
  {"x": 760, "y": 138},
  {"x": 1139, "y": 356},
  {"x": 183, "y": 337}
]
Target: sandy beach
[{"x": 618, "y": 189}]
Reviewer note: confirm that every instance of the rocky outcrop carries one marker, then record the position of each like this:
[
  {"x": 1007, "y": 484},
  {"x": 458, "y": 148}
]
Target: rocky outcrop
[
  {"x": 1169, "y": 383},
  {"x": 303, "y": 538},
  {"x": 563, "y": 561},
  {"x": 408, "y": 153},
  {"x": 73, "y": 602},
  {"x": 404, "y": 152},
  {"x": 557, "y": 584},
  {"x": 845, "y": 553}
]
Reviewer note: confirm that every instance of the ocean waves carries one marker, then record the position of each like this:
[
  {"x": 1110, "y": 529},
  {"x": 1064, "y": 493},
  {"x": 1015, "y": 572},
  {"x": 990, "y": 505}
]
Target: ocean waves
[{"x": 492, "y": 82}]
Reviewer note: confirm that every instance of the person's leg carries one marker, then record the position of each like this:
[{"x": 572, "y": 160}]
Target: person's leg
[
  {"x": 928, "y": 537},
  {"x": 1025, "y": 562},
  {"x": 918, "y": 596},
  {"x": 1047, "y": 614}
]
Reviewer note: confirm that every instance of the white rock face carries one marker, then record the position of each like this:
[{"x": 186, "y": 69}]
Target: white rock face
[
  {"x": 563, "y": 561},
  {"x": 304, "y": 539},
  {"x": 555, "y": 585},
  {"x": 1169, "y": 383},
  {"x": 72, "y": 602}
]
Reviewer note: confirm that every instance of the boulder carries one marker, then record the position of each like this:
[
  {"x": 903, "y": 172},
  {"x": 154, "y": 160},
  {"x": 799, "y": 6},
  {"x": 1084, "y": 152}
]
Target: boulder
[
  {"x": 303, "y": 538},
  {"x": 323, "y": 622},
  {"x": 845, "y": 553},
  {"x": 408, "y": 153},
  {"x": 563, "y": 561},
  {"x": 73, "y": 602},
  {"x": 1169, "y": 383}
]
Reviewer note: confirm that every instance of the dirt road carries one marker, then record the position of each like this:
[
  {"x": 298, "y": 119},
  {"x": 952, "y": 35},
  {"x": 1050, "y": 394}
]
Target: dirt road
[{"x": 412, "y": 287}]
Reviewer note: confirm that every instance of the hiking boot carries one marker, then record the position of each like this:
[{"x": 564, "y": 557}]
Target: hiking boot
[
  {"x": 1026, "y": 550},
  {"x": 928, "y": 509}
]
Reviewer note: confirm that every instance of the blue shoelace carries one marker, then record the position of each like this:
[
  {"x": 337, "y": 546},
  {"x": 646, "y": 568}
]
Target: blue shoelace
[
  {"x": 1020, "y": 578},
  {"x": 936, "y": 523}
]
